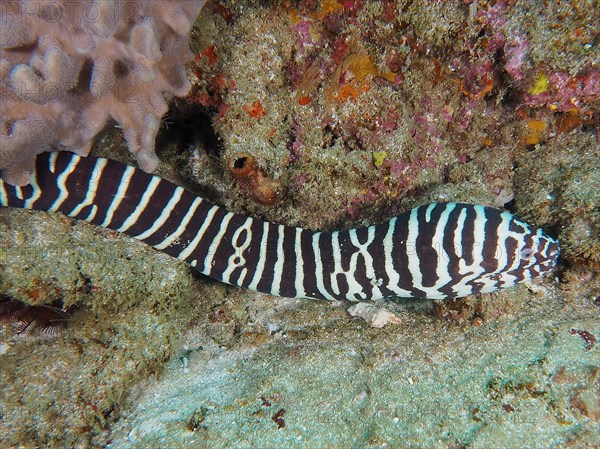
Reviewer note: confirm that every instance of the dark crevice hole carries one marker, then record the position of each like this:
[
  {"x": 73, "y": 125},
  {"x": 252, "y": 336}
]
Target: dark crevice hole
[
  {"x": 239, "y": 163},
  {"x": 188, "y": 127}
]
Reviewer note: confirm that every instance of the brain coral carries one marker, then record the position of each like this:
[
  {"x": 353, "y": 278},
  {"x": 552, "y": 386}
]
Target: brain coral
[{"x": 67, "y": 67}]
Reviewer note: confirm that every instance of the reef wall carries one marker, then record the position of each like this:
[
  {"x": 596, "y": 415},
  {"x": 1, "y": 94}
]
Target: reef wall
[{"x": 330, "y": 114}]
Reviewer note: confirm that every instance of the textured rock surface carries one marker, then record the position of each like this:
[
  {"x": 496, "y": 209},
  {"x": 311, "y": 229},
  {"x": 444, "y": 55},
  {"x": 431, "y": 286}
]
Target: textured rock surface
[
  {"x": 126, "y": 307},
  {"x": 342, "y": 384},
  {"x": 366, "y": 106}
]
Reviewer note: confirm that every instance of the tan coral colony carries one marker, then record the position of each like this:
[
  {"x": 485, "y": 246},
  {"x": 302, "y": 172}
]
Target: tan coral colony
[{"x": 66, "y": 68}]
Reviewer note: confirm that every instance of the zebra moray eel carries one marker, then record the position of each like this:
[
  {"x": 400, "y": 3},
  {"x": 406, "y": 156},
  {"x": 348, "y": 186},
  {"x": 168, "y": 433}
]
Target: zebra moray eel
[{"x": 440, "y": 250}]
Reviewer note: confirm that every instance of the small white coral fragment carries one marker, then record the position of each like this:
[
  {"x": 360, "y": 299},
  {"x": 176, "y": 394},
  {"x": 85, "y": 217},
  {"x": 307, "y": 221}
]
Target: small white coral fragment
[
  {"x": 503, "y": 197},
  {"x": 374, "y": 315}
]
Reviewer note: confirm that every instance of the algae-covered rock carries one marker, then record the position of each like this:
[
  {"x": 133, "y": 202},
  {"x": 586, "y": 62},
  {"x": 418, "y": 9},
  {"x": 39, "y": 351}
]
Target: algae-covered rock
[
  {"x": 125, "y": 307},
  {"x": 325, "y": 381},
  {"x": 558, "y": 185}
]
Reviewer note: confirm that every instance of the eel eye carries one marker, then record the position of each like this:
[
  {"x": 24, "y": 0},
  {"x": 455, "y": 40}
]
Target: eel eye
[{"x": 526, "y": 253}]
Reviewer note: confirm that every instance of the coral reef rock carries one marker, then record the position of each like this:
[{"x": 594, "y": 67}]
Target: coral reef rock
[{"x": 68, "y": 67}]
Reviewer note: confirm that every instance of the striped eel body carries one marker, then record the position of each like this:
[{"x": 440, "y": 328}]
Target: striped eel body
[{"x": 440, "y": 250}]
